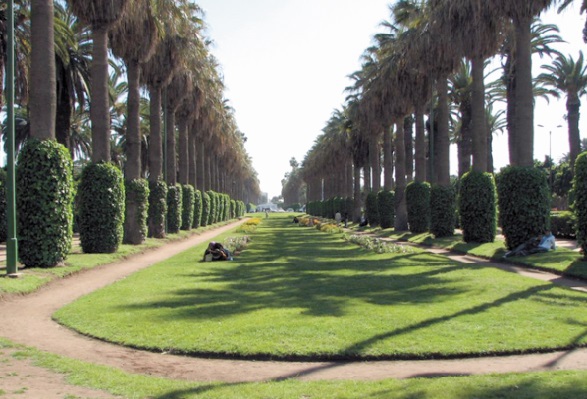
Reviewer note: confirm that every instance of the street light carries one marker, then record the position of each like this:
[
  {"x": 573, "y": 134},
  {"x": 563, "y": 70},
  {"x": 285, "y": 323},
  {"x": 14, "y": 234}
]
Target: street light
[{"x": 550, "y": 152}]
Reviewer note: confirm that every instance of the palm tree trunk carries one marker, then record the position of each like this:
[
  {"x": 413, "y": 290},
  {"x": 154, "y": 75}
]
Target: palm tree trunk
[
  {"x": 374, "y": 160},
  {"x": 183, "y": 151},
  {"x": 387, "y": 159},
  {"x": 367, "y": 178},
  {"x": 193, "y": 160},
  {"x": 133, "y": 134},
  {"x": 100, "y": 106},
  {"x": 524, "y": 98},
  {"x": 63, "y": 114},
  {"x": 573, "y": 105},
  {"x": 442, "y": 142},
  {"x": 401, "y": 212},
  {"x": 357, "y": 194},
  {"x": 202, "y": 168},
  {"x": 171, "y": 160},
  {"x": 408, "y": 141},
  {"x": 478, "y": 121},
  {"x": 511, "y": 111},
  {"x": 420, "y": 145},
  {"x": 155, "y": 142},
  {"x": 42, "y": 100}
]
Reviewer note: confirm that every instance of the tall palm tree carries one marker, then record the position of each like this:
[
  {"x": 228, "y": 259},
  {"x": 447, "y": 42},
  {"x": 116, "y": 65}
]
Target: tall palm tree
[
  {"x": 101, "y": 16},
  {"x": 569, "y": 77},
  {"x": 43, "y": 97}
]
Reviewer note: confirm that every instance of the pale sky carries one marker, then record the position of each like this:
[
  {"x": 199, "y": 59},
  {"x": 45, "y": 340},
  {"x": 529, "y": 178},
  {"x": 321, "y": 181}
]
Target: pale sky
[{"x": 285, "y": 64}]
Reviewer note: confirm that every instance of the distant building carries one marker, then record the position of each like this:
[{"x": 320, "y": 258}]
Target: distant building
[{"x": 267, "y": 207}]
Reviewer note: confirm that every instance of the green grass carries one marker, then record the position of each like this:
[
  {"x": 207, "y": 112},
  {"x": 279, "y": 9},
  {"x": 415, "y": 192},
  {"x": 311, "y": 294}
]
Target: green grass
[
  {"x": 296, "y": 293},
  {"x": 542, "y": 385},
  {"x": 32, "y": 279}
]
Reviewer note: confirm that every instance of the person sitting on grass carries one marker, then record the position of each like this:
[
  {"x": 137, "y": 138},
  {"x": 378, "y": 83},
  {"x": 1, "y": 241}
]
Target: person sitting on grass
[
  {"x": 534, "y": 245},
  {"x": 216, "y": 251}
]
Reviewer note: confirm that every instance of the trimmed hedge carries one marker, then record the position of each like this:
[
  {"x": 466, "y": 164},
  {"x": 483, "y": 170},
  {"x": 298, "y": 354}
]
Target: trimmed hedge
[
  {"x": 174, "y": 208},
  {"x": 233, "y": 209},
  {"x": 44, "y": 192},
  {"x": 187, "y": 215},
  {"x": 197, "y": 222},
  {"x": 371, "y": 209},
  {"x": 418, "y": 206},
  {"x": 386, "y": 207},
  {"x": 101, "y": 208},
  {"x": 524, "y": 203},
  {"x": 563, "y": 224},
  {"x": 443, "y": 204},
  {"x": 206, "y": 203},
  {"x": 136, "y": 211},
  {"x": 213, "y": 209},
  {"x": 157, "y": 208},
  {"x": 477, "y": 207},
  {"x": 580, "y": 206}
]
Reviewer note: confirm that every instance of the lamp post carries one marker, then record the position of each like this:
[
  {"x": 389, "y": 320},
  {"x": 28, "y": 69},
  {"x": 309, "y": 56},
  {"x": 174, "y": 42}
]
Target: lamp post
[{"x": 550, "y": 154}]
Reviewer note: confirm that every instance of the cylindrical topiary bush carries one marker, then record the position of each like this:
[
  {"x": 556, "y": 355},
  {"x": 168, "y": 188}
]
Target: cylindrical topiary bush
[
  {"x": 580, "y": 206},
  {"x": 136, "y": 211},
  {"x": 233, "y": 209},
  {"x": 157, "y": 208},
  {"x": 371, "y": 209},
  {"x": 197, "y": 209},
  {"x": 205, "y": 209},
  {"x": 44, "y": 192},
  {"x": 174, "y": 208},
  {"x": 418, "y": 206},
  {"x": 386, "y": 207},
  {"x": 3, "y": 207},
  {"x": 213, "y": 207},
  {"x": 443, "y": 205},
  {"x": 101, "y": 208},
  {"x": 477, "y": 207},
  {"x": 524, "y": 203},
  {"x": 187, "y": 216}
]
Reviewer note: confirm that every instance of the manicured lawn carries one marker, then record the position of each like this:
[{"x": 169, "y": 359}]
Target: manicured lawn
[
  {"x": 545, "y": 385},
  {"x": 296, "y": 293}
]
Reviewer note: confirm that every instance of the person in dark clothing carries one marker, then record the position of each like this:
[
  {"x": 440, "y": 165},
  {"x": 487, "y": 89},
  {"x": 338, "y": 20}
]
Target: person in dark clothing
[{"x": 216, "y": 251}]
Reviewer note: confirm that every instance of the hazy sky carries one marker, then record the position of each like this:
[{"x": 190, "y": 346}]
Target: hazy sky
[{"x": 285, "y": 64}]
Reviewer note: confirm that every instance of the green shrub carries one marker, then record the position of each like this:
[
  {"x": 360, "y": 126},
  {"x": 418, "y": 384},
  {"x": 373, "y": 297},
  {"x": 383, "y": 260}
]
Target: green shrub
[
  {"x": 580, "y": 205},
  {"x": 371, "y": 209},
  {"x": 442, "y": 210},
  {"x": 157, "y": 208},
  {"x": 563, "y": 224},
  {"x": 136, "y": 211},
  {"x": 524, "y": 203},
  {"x": 206, "y": 203},
  {"x": 233, "y": 209},
  {"x": 101, "y": 208},
  {"x": 386, "y": 207},
  {"x": 477, "y": 207},
  {"x": 197, "y": 209},
  {"x": 242, "y": 208},
  {"x": 227, "y": 213},
  {"x": 213, "y": 210},
  {"x": 188, "y": 198},
  {"x": 3, "y": 207},
  {"x": 44, "y": 192},
  {"x": 251, "y": 207},
  {"x": 174, "y": 208},
  {"x": 418, "y": 206}
]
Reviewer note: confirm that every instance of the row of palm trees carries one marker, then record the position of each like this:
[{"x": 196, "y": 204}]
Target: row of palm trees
[
  {"x": 83, "y": 67},
  {"x": 433, "y": 59}
]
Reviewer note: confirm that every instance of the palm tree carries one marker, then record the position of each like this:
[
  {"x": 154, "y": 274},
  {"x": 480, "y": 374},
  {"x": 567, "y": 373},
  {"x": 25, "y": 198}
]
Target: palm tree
[
  {"x": 566, "y": 3},
  {"x": 565, "y": 75},
  {"x": 43, "y": 97}
]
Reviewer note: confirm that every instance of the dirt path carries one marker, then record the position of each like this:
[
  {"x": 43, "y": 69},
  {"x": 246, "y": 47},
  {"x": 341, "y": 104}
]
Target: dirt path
[{"x": 27, "y": 320}]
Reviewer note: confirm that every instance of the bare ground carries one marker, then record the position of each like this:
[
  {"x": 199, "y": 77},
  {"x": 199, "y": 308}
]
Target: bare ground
[{"x": 27, "y": 320}]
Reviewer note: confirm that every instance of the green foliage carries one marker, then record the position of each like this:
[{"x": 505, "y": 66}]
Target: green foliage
[
  {"x": 241, "y": 208},
  {"x": 580, "y": 206},
  {"x": 137, "y": 193},
  {"x": 524, "y": 203},
  {"x": 188, "y": 198},
  {"x": 477, "y": 207},
  {"x": 227, "y": 207},
  {"x": 251, "y": 207},
  {"x": 206, "y": 204},
  {"x": 157, "y": 208},
  {"x": 101, "y": 208},
  {"x": 418, "y": 206},
  {"x": 442, "y": 210},
  {"x": 233, "y": 209},
  {"x": 213, "y": 207},
  {"x": 3, "y": 207},
  {"x": 197, "y": 209},
  {"x": 174, "y": 208},
  {"x": 562, "y": 224},
  {"x": 44, "y": 192},
  {"x": 386, "y": 207},
  {"x": 371, "y": 209}
]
